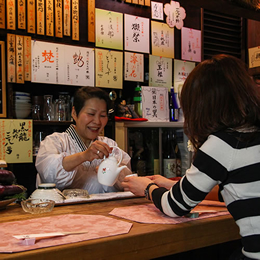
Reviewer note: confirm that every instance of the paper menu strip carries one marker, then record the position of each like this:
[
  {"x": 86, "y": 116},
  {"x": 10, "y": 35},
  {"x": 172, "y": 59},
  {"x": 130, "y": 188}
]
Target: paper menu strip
[
  {"x": 49, "y": 235},
  {"x": 2, "y": 14}
]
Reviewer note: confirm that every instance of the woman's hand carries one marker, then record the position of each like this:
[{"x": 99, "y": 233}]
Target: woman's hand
[
  {"x": 162, "y": 181},
  {"x": 136, "y": 185},
  {"x": 97, "y": 150}
]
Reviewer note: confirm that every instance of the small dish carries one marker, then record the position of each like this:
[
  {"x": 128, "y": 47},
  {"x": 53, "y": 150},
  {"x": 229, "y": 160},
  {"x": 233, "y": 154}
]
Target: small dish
[
  {"x": 75, "y": 193},
  {"x": 37, "y": 206}
]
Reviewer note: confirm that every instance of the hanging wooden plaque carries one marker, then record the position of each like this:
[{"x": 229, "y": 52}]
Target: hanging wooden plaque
[
  {"x": 2, "y": 81},
  {"x": 141, "y": 2},
  {"x": 134, "y": 1},
  {"x": 91, "y": 20},
  {"x": 40, "y": 16},
  {"x": 31, "y": 16},
  {"x": 66, "y": 16},
  {"x": 128, "y": 1},
  {"x": 147, "y": 2},
  {"x": 19, "y": 59},
  {"x": 11, "y": 14},
  {"x": 27, "y": 58},
  {"x": 58, "y": 19},
  {"x": 49, "y": 18},
  {"x": 10, "y": 57},
  {"x": 21, "y": 22},
  {"x": 2, "y": 14},
  {"x": 75, "y": 20}
]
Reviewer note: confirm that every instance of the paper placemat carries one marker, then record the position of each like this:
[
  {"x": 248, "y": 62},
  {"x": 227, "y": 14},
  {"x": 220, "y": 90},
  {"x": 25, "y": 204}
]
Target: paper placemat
[
  {"x": 98, "y": 197},
  {"x": 96, "y": 225},
  {"x": 149, "y": 214}
]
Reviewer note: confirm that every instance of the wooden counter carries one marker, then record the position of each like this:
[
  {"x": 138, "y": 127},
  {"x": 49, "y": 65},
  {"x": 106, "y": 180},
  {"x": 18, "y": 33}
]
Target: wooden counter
[{"x": 144, "y": 241}]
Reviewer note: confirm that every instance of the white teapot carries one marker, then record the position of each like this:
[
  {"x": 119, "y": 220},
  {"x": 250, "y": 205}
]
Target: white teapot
[{"x": 109, "y": 169}]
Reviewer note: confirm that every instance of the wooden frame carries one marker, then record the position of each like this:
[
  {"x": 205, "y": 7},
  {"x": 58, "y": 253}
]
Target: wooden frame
[{"x": 2, "y": 80}]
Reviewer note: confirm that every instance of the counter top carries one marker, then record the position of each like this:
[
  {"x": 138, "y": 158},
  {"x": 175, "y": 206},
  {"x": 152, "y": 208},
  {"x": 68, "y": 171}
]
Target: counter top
[{"x": 144, "y": 241}]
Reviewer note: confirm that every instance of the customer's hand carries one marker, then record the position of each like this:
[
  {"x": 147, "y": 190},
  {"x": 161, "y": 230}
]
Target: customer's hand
[
  {"x": 136, "y": 185},
  {"x": 162, "y": 181}
]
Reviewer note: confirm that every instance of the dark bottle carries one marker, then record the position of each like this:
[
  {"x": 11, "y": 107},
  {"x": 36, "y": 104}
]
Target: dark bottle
[
  {"x": 153, "y": 163},
  {"x": 140, "y": 154},
  {"x": 169, "y": 156},
  {"x": 177, "y": 152},
  {"x": 173, "y": 106}
]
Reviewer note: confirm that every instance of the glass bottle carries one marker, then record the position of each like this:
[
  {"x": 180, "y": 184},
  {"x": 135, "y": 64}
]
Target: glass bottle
[
  {"x": 169, "y": 156},
  {"x": 174, "y": 106},
  {"x": 138, "y": 100},
  {"x": 48, "y": 108}
]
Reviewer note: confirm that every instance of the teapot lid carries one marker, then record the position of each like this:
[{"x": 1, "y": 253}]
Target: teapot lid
[{"x": 47, "y": 186}]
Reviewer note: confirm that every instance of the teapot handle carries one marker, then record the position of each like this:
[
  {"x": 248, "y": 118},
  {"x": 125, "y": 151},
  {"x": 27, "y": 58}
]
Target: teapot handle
[{"x": 120, "y": 154}]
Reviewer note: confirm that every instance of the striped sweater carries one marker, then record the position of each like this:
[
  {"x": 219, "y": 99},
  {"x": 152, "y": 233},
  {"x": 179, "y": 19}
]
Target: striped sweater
[{"x": 224, "y": 160}]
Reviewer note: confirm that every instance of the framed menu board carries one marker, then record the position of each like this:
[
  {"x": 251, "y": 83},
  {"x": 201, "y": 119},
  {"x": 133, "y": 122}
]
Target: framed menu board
[{"x": 2, "y": 80}]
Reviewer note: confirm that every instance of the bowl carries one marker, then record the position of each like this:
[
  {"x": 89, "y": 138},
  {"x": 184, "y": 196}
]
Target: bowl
[
  {"x": 75, "y": 193},
  {"x": 37, "y": 206},
  {"x": 22, "y": 113}
]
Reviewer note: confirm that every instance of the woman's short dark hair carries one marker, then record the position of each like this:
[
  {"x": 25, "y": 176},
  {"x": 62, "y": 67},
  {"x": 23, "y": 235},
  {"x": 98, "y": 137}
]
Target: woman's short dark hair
[
  {"x": 217, "y": 95},
  {"x": 85, "y": 93}
]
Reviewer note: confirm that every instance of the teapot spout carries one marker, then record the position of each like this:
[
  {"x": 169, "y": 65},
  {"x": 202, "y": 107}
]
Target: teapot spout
[{"x": 119, "y": 169}]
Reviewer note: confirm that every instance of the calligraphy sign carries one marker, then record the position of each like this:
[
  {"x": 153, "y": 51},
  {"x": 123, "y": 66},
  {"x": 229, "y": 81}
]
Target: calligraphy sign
[
  {"x": 40, "y": 16},
  {"x": 160, "y": 71},
  {"x": 31, "y": 16},
  {"x": 134, "y": 67},
  {"x": 190, "y": 44},
  {"x": 19, "y": 59},
  {"x": 11, "y": 14},
  {"x": 58, "y": 19},
  {"x": 27, "y": 58},
  {"x": 11, "y": 57},
  {"x": 91, "y": 20},
  {"x": 16, "y": 140},
  {"x": 2, "y": 14},
  {"x": 109, "y": 66},
  {"x": 157, "y": 10},
  {"x": 175, "y": 14},
  {"x": 109, "y": 29},
  {"x": 2, "y": 80},
  {"x": 66, "y": 16},
  {"x": 162, "y": 39},
  {"x": 75, "y": 20},
  {"x": 137, "y": 34},
  {"x": 21, "y": 14},
  {"x": 254, "y": 57},
  {"x": 155, "y": 104},
  {"x": 148, "y": 2},
  {"x": 49, "y": 18}
]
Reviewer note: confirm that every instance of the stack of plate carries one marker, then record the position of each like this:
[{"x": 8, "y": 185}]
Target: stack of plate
[{"x": 22, "y": 104}]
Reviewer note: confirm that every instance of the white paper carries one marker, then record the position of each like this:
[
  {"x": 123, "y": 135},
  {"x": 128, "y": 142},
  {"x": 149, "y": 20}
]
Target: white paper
[
  {"x": 134, "y": 67},
  {"x": 137, "y": 34},
  {"x": 157, "y": 10},
  {"x": 155, "y": 104}
]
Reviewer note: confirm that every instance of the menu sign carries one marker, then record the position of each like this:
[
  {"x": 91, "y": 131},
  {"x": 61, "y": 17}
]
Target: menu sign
[
  {"x": 21, "y": 14},
  {"x": 2, "y": 14},
  {"x": 109, "y": 29},
  {"x": 40, "y": 16},
  {"x": 109, "y": 66},
  {"x": 16, "y": 140},
  {"x": 75, "y": 20},
  {"x": 66, "y": 16},
  {"x": 58, "y": 19},
  {"x": 10, "y": 57},
  {"x": 155, "y": 104},
  {"x": 49, "y": 18},
  {"x": 91, "y": 20},
  {"x": 19, "y": 59},
  {"x": 31, "y": 16},
  {"x": 27, "y": 58},
  {"x": 11, "y": 14}
]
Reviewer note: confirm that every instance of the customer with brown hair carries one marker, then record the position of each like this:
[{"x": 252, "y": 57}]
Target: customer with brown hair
[{"x": 221, "y": 107}]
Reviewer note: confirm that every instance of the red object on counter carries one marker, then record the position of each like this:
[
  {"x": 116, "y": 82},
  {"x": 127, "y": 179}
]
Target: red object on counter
[
  {"x": 117, "y": 118},
  {"x": 175, "y": 178}
]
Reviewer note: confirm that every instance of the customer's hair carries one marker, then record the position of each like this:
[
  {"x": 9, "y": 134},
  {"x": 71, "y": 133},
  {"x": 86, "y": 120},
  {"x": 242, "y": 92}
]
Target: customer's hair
[
  {"x": 85, "y": 93},
  {"x": 217, "y": 95}
]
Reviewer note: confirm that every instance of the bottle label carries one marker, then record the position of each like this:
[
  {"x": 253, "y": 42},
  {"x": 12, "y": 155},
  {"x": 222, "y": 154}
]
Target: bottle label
[
  {"x": 169, "y": 168},
  {"x": 156, "y": 166}
]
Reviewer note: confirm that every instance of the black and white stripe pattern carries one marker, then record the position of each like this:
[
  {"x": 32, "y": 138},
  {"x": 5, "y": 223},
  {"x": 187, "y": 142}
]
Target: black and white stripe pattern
[
  {"x": 224, "y": 160},
  {"x": 73, "y": 134}
]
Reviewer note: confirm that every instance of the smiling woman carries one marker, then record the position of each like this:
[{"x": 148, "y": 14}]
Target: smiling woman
[{"x": 70, "y": 159}]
